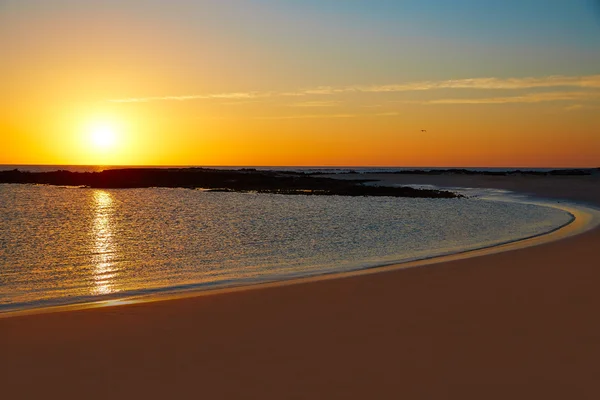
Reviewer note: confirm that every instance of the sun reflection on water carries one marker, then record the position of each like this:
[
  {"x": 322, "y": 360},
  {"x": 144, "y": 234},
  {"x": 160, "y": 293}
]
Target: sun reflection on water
[{"x": 103, "y": 251}]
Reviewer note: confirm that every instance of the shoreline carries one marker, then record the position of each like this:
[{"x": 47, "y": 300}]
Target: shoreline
[
  {"x": 516, "y": 324},
  {"x": 583, "y": 219}
]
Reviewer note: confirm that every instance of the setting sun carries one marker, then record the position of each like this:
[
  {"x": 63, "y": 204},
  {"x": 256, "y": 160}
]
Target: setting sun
[{"x": 103, "y": 136}]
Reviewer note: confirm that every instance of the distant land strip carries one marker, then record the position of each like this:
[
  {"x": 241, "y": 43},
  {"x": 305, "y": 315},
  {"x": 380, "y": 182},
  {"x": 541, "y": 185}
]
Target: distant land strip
[
  {"x": 464, "y": 171},
  {"x": 245, "y": 180}
]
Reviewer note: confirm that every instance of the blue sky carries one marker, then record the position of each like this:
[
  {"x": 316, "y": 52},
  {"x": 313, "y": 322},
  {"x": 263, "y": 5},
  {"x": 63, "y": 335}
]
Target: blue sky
[
  {"x": 561, "y": 35},
  {"x": 291, "y": 43},
  {"x": 468, "y": 37}
]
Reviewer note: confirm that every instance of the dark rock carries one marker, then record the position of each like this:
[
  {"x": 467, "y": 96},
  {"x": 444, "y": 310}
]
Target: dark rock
[{"x": 217, "y": 180}]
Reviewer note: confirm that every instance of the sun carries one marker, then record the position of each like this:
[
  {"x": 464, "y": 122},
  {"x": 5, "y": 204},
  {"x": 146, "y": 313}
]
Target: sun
[{"x": 103, "y": 135}]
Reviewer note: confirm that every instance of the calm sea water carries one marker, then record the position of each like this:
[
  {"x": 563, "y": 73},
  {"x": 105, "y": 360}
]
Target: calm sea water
[{"x": 66, "y": 245}]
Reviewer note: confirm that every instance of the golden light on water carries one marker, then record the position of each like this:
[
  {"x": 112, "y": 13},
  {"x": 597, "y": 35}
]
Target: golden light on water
[{"x": 103, "y": 245}]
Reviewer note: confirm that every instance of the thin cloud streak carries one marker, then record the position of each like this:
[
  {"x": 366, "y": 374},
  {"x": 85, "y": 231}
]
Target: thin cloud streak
[
  {"x": 588, "y": 82},
  {"x": 225, "y": 96},
  {"x": 591, "y": 81},
  {"x": 303, "y": 116},
  {"x": 576, "y": 107},
  {"x": 316, "y": 104},
  {"x": 310, "y": 116},
  {"x": 528, "y": 98}
]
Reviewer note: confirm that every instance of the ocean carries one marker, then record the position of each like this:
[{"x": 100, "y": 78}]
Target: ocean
[{"x": 65, "y": 245}]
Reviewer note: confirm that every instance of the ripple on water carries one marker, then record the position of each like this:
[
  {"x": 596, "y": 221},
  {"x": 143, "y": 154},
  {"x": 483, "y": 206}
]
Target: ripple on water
[{"x": 62, "y": 245}]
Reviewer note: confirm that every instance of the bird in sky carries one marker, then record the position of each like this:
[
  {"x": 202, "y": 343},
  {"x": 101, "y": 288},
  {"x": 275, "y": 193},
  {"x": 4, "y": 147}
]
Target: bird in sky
[{"x": 423, "y": 130}]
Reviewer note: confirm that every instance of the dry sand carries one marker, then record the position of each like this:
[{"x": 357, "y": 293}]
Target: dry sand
[{"x": 521, "y": 324}]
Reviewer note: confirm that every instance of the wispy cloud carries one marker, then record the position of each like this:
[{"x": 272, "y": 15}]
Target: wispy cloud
[
  {"x": 316, "y": 104},
  {"x": 224, "y": 96},
  {"x": 556, "y": 81},
  {"x": 527, "y": 98},
  {"x": 310, "y": 116},
  {"x": 574, "y": 107},
  {"x": 591, "y": 81},
  {"x": 372, "y": 105},
  {"x": 577, "y": 107}
]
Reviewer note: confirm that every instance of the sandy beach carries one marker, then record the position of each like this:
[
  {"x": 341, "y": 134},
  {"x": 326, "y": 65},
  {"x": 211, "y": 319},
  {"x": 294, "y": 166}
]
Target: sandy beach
[{"x": 520, "y": 324}]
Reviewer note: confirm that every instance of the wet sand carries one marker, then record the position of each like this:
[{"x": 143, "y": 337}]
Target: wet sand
[{"x": 520, "y": 324}]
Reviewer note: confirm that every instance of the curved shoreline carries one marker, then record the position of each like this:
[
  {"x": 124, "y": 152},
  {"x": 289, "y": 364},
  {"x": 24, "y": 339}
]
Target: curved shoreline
[
  {"x": 515, "y": 324},
  {"x": 583, "y": 218}
]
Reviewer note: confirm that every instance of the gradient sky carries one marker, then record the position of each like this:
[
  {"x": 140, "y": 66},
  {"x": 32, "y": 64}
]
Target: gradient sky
[{"x": 301, "y": 82}]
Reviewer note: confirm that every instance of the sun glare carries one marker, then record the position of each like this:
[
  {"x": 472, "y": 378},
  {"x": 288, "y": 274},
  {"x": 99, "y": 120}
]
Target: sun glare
[
  {"x": 103, "y": 136},
  {"x": 105, "y": 140}
]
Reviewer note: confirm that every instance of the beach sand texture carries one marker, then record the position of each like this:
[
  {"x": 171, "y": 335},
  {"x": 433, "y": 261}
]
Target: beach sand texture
[{"x": 520, "y": 324}]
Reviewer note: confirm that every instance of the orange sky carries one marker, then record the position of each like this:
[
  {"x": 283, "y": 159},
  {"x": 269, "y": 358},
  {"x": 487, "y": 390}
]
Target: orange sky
[{"x": 261, "y": 83}]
